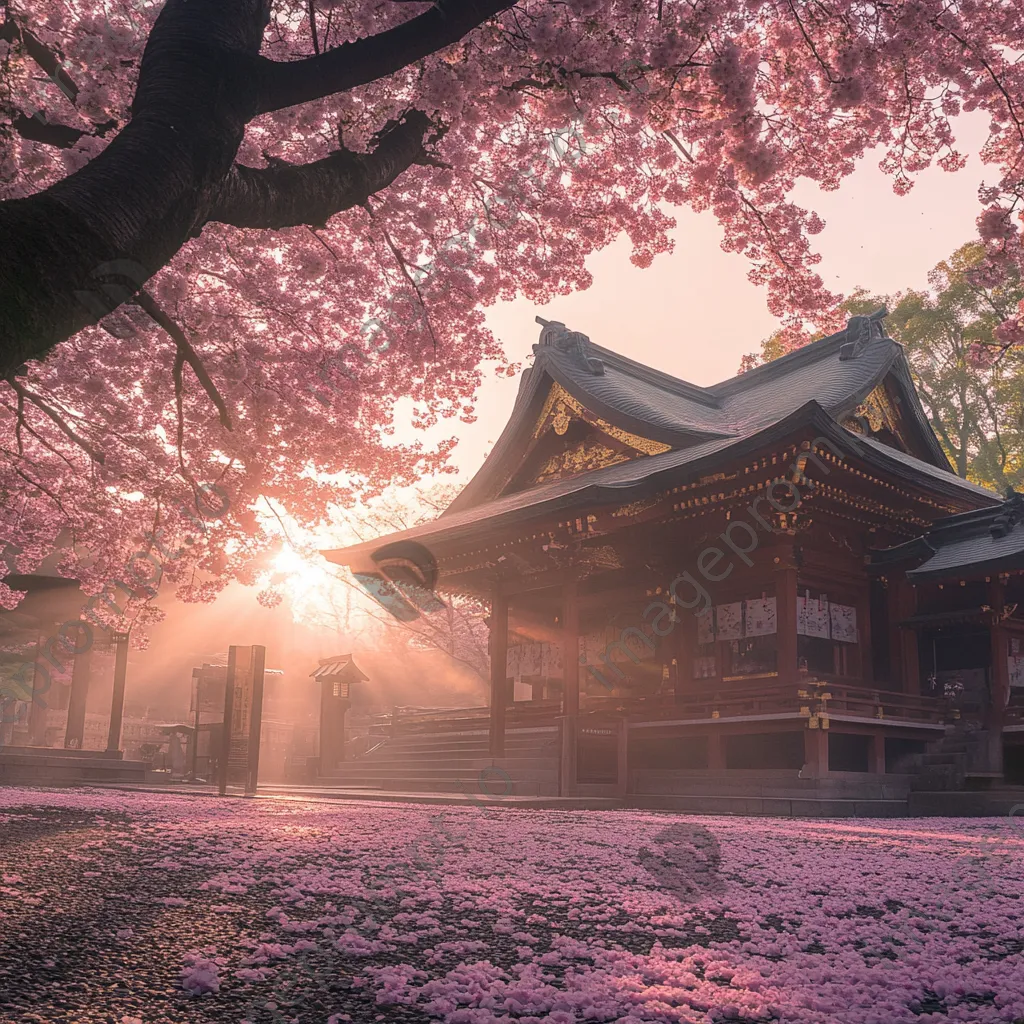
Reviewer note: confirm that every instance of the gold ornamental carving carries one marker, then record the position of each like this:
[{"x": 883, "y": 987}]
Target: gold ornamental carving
[
  {"x": 557, "y": 413},
  {"x": 582, "y": 457},
  {"x": 560, "y": 420},
  {"x": 634, "y": 508},
  {"x": 877, "y": 412}
]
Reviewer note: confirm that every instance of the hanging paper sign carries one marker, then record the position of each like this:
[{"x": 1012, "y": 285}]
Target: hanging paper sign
[
  {"x": 761, "y": 618},
  {"x": 812, "y": 617},
  {"x": 706, "y": 627},
  {"x": 530, "y": 665},
  {"x": 513, "y": 659},
  {"x": 844, "y": 623},
  {"x": 1015, "y": 665},
  {"x": 729, "y": 620}
]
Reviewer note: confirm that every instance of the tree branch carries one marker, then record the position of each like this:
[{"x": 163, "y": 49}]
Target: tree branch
[
  {"x": 61, "y": 136},
  {"x": 285, "y": 83},
  {"x": 284, "y": 195},
  {"x": 186, "y": 354}
]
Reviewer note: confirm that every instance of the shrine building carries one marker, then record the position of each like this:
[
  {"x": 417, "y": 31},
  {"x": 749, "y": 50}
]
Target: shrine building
[{"x": 776, "y": 579}]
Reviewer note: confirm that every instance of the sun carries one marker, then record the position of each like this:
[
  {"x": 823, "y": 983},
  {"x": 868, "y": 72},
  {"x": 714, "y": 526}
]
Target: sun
[{"x": 304, "y": 578}]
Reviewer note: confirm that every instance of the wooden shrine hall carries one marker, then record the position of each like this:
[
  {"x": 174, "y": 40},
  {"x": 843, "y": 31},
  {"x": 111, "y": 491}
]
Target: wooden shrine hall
[{"x": 780, "y": 573}]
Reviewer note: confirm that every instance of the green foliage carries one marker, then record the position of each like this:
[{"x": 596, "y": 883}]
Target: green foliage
[{"x": 971, "y": 388}]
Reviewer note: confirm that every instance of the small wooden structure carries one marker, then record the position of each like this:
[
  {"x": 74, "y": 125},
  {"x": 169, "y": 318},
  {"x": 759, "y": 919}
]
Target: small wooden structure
[{"x": 335, "y": 676}]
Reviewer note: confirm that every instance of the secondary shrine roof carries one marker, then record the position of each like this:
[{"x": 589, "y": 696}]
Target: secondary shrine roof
[{"x": 970, "y": 544}]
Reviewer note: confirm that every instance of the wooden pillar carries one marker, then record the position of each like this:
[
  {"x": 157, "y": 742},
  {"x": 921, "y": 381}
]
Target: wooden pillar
[
  {"x": 999, "y": 691},
  {"x": 815, "y": 753},
  {"x": 867, "y": 661},
  {"x": 877, "y": 753},
  {"x": 684, "y": 648},
  {"x": 570, "y": 685},
  {"x": 623, "y": 756},
  {"x": 903, "y": 655},
  {"x": 117, "y": 700},
  {"x": 570, "y": 644},
  {"x": 74, "y": 735},
  {"x": 259, "y": 664},
  {"x": 785, "y": 605},
  {"x": 716, "y": 751},
  {"x": 42, "y": 683},
  {"x": 499, "y": 683}
]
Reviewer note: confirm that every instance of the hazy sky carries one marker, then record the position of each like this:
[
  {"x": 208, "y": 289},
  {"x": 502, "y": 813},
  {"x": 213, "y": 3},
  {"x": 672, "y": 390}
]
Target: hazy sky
[{"x": 694, "y": 314}]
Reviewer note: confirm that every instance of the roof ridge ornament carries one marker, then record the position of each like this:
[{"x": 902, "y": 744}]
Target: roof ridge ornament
[
  {"x": 861, "y": 331},
  {"x": 573, "y": 343},
  {"x": 1011, "y": 513}
]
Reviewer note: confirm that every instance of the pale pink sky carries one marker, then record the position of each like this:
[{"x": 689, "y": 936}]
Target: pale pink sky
[{"x": 694, "y": 314}]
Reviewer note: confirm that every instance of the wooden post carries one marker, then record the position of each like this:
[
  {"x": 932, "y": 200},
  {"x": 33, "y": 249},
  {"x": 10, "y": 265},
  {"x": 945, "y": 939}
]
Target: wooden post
[
  {"x": 229, "y": 710},
  {"x": 499, "y": 661},
  {"x": 815, "y": 752},
  {"x": 902, "y": 641},
  {"x": 117, "y": 700},
  {"x": 570, "y": 685},
  {"x": 42, "y": 683},
  {"x": 1000, "y": 689},
  {"x": 74, "y": 734},
  {"x": 867, "y": 664},
  {"x": 716, "y": 751},
  {"x": 684, "y": 648},
  {"x": 877, "y": 753},
  {"x": 258, "y": 663},
  {"x": 570, "y": 642},
  {"x": 785, "y": 603},
  {"x": 623, "y": 755}
]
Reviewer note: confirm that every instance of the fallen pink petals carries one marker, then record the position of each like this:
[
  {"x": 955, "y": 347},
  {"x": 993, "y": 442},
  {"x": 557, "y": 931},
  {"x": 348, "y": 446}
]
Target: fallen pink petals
[{"x": 538, "y": 917}]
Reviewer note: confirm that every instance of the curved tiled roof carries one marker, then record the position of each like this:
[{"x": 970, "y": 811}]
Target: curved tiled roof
[
  {"x": 968, "y": 544},
  {"x": 626, "y": 480},
  {"x": 656, "y": 405}
]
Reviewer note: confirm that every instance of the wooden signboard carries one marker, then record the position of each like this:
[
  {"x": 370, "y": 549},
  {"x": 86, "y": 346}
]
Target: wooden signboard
[{"x": 243, "y": 712}]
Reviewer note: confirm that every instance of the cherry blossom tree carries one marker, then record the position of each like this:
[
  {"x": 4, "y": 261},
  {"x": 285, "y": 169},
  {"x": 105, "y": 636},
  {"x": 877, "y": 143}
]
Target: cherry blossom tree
[{"x": 235, "y": 233}]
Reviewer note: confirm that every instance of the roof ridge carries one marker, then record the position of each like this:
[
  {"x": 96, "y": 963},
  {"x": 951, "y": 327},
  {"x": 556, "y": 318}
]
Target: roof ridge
[
  {"x": 641, "y": 371},
  {"x": 776, "y": 367}
]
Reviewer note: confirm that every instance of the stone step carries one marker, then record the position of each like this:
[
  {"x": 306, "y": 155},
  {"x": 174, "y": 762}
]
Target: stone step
[
  {"x": 471, "y": 787},
  {"x": 470, "y": 764},
  {"x": 59, "y": 769},
  {"x": 468, "y": 777},
  {"x": 942, "y": 758},
  {"x": 795, "y": 807}
]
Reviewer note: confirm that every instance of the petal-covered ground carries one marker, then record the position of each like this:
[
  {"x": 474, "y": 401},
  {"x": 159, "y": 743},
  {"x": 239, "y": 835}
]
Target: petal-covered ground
[{"x": 127, "y": 907}]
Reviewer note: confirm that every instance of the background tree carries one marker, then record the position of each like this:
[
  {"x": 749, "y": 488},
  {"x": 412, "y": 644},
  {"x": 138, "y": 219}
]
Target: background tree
[
  {"x": 971, "y": 382},
  {"x": 234, "y": 233},
  {"x": 454, "y": 627}
]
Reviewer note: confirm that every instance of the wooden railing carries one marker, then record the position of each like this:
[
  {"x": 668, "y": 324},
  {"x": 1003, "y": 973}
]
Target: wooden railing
[{"x": 808, "y": 698}]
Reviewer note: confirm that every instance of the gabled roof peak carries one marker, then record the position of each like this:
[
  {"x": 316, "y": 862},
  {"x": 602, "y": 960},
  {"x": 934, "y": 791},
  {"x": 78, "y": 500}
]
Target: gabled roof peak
[{"x": 576, "y": 345}]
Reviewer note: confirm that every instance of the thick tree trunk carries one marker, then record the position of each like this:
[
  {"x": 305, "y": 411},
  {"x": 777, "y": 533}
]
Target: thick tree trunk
[
  {"x": 73, "y": 253},
  {"x": 145, "y": 194}
]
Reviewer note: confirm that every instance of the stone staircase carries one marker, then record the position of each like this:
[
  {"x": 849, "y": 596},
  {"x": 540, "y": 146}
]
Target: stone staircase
[
  {"x": 55, "y": 766},
  {"x": 954, "y": 762},
  {"x": 456, "y": 762}
]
